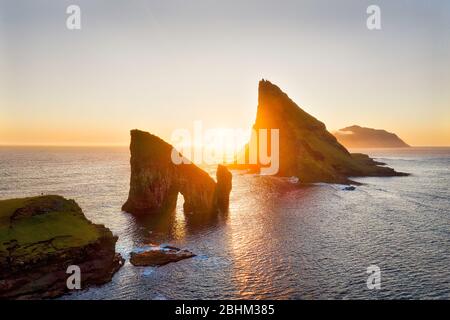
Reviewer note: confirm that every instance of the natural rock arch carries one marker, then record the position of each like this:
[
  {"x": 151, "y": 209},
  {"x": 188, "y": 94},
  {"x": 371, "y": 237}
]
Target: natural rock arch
[{"x": 156, "y": 180}]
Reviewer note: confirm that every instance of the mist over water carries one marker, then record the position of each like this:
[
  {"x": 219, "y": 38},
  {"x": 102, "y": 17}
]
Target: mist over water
[{"x": 278, "y": 240}]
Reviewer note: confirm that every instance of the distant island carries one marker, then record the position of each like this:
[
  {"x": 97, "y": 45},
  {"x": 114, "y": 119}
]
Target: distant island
[{"x": 361, "y": 137}]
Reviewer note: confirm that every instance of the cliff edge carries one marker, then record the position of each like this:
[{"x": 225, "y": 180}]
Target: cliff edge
[{"x": 40, "y": 237}]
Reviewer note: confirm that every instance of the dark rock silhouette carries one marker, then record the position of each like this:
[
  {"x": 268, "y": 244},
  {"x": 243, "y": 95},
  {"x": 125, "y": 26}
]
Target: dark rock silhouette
[
  {"x": 306, "y": 149},
  {"x": 360, "y": 137},
  {"x": 41, "y": 237},
  {"x": 223, "y": 188},
  {"x": 156, "y": 180}
]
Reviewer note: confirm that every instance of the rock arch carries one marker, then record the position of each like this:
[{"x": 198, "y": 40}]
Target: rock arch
[{"x": 156, "y": 181}]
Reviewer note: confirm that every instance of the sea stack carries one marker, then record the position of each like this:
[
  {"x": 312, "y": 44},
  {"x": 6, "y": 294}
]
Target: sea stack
[
  {"x": 306, "y": 149},
  {"x": 156, "y": 180},
  {"x": 223, "y": 188}
]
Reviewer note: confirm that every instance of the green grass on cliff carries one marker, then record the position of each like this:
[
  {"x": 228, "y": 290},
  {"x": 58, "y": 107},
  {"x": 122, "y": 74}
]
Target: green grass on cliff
[{"x": 61, "y": 225}]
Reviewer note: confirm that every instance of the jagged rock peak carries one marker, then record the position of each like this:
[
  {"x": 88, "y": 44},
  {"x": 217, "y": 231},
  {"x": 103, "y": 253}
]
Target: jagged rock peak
[{"x": 306, "y": 149}]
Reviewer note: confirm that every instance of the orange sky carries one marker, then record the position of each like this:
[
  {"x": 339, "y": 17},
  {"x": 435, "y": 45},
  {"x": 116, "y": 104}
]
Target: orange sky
[{"x": 162, "y": 66}]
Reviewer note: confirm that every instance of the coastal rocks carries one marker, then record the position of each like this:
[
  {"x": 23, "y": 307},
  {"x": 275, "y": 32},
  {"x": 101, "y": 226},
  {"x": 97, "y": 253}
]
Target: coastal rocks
[
  {"x": 156, "y": 180},
  {"x": 158, "y": 255},
  {"x": 306, "y": 149},
  {"x": 40, "y": 237},
  {"x": 360, "y": 137}
]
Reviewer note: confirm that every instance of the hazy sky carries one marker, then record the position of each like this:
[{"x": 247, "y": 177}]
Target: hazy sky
[{"x": 160, "y": 65}]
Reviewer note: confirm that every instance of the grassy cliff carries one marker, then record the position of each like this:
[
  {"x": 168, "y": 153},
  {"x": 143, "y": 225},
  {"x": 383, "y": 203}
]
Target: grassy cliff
[{"x": 40, "y": 237}]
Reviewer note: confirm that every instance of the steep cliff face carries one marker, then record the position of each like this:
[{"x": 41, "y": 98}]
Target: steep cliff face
[
  {"x": 223, "y": 188},
  {"x": 306, "y": 149},
  {"x": 41, "y": 237},
  {"x": 156, "y": 180},
  {"x": 360, "y": 137}
]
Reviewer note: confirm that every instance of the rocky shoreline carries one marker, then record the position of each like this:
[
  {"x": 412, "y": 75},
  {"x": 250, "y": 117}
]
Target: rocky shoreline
[{"x": 41, "y": 237}]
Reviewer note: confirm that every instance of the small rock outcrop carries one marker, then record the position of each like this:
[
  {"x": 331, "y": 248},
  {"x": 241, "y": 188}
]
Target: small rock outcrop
[
  {"x": 40, "y": 237},
  {"x": 153, "y": 256},
  {"x": 306, "y": 149},
  {"x": 156, "y": 180},
  {"x": 360, "y": 137}
]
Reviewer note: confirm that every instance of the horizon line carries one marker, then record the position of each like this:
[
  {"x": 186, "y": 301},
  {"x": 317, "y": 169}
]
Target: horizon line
[
  {"x": 105, "y": 145},
  {"x": 64, "y": 145}
]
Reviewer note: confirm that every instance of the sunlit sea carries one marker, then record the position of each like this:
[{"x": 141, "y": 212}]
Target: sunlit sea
[{"x": 278, "y": 240}]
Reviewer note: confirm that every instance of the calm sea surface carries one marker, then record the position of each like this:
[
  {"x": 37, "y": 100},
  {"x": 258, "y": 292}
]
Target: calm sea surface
[{"x": 278, "y": 241}]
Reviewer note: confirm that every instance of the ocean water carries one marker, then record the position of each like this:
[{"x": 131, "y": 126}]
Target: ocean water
[{"x": 278, "y": 240}]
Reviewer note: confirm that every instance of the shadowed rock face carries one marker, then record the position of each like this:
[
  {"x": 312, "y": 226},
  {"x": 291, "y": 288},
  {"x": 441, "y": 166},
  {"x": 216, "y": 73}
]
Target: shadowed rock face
[
  {"x": 306, "y": 149},
  {"x": 156, "y": 180},
  {"x": 360, "y": 137}
]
